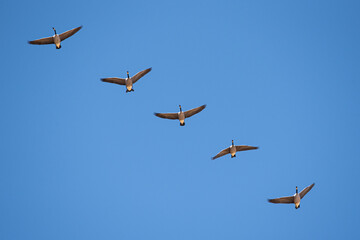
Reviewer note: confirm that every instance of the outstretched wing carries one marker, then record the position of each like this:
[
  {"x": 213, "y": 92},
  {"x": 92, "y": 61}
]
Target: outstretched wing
[
  {"x": 244, "y": 148},
  {"x": 69, "y": 33},
  {"x": 167, "y": 115},
  {"x": 194, "y": 111},
  {"x": 282, "y": 200},
  {"x": 306, "y": 190},
  {"x": 120, "y": 81},
  {"x": 139, "y": 75},
  {"x": 222, "y": 153},
  {"x": 41, "y": 41}
]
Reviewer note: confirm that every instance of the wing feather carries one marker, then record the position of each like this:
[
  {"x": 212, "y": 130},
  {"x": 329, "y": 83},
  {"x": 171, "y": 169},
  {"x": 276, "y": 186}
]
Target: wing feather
[
  {"x": 194, "y": 111},
  {"x": 221, "y": 153},
  {"x": 120, "y": 81},
  {"x": 306, "y": 190},
  {"x": 139, "y": 75},
  {"x": 41, "y": 41},
  {"x": 167, "y": 115},
  {"x": 69, "y": 33},
  {"x": 245, "y": 148},
  {"x": 282, "y": 200}
]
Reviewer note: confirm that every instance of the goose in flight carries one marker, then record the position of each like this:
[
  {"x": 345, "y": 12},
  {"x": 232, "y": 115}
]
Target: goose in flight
[
  {"x": 181, "y": 115},
  {"x": 57, "y": 38},
  {"x": 233, "y": 149},
  {"x": 293, "y": 199},
  {"x": 129, "y": 81}
]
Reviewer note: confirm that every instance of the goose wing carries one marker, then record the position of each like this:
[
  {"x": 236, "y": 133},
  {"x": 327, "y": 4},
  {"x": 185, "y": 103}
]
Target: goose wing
[
  {"x": 282, "y": 200},
  {"x": 222, "y": 153},
  {"x": 120, "y": 81},
  {"x": 194, "y": 111},
  {"x": 167, "y": 115},
  {"x": 69, "y": 33},
  {"x": 41, "y": 41},
  {"x": 139, "y": 75},
  {"x": 244, "y": 148},
  {"x": 306, "y": 190}
]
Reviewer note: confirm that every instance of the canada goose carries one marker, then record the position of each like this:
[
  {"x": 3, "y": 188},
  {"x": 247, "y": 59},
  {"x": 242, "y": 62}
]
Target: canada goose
[
  {"x": 129, "y": 81},
  {"x": 57, "y": 38},
  {"x": 233, "y": 149},
  {"x": 293, "y": 199},
  {"x": 181, "y": 115}
]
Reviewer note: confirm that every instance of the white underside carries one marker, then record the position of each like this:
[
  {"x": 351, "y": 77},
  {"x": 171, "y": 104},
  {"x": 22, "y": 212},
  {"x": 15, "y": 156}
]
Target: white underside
[
  {"x": 181, "y": 117},
  {"x": 297, "y": 200},
  {"x": 57, "y": 40},
  {"x": 232, "y": 150},
  {"x": 129, "y": 84}
]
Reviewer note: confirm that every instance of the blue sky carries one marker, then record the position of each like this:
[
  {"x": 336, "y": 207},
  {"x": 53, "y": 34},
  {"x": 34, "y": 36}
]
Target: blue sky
[{"x": 80, "y": 159}]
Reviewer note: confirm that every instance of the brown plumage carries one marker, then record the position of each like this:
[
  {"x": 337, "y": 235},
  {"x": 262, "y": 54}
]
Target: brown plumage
[{"x": 50, "y": 40}]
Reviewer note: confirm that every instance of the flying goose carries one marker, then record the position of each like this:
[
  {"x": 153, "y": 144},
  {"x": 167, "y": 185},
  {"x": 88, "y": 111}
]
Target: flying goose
[
  {"x": 57, "y": 38},
  {"x": 233, "y": 149},
  {"x": 181, "y": 115},
  {"x": 293, "y": 199},
  {"x": 129, "y": 81}
]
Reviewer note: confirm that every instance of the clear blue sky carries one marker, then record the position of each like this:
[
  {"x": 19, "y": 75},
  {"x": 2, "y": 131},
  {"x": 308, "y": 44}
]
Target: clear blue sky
[{"x": 80, "y": 159}]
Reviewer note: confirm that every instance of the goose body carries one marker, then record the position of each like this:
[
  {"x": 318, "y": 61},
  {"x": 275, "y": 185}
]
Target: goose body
[
  {"x": 129, "y": 81},
  {"x": 129, "y": 84},
  {"x": 232, "y": 150},
  {"x": 181, "y": 115},
  {"x": 57, "y": 41},
  {"x": 57, "y": 38},
  {"x": 295, "y": 199}
]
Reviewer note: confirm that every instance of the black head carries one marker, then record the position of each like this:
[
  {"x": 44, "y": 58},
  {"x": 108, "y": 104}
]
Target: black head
[
  {"x": 54, "y": 29},
  {"x": 296, "y": 189},
  {"x": 127, "y": 72},
  {"x": 180, "y": 107}
]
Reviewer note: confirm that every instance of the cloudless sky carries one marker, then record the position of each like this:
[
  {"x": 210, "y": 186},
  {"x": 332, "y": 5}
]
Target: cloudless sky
[{"x": 81, "y": 159}]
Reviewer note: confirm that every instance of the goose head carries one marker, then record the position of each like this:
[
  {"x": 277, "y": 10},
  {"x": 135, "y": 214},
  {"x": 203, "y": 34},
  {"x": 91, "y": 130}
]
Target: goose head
[
  {"x": 54, "y": 29},
  {"x": 180, "y": 108},
  {"x": 232, "y": 142},
  {"x": 296, "y": 189},
  {"x": 127, "y": 72}
]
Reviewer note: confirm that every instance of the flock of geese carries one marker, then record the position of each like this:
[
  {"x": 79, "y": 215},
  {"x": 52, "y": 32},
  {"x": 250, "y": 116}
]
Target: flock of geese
[{"x": 181, "y": 115}]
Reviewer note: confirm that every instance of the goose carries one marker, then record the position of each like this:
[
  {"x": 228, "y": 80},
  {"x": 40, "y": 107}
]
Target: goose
[
  {"x": 57, "y": 38},
  {"x": 181, "y": 115},
  {"x": 129, "y": 81},
  {"x": 232, "y": 150},
  {"x": 295, "y": 198}
]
